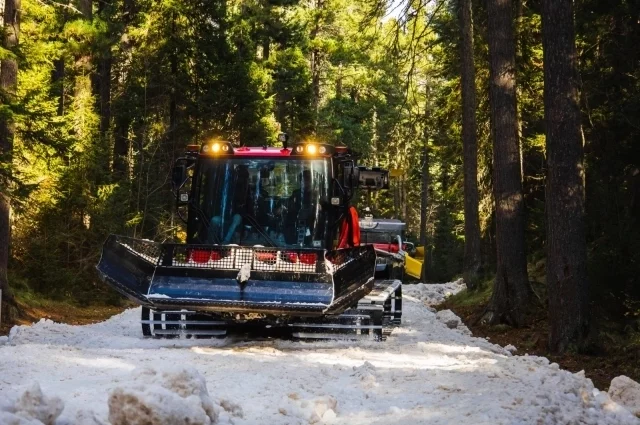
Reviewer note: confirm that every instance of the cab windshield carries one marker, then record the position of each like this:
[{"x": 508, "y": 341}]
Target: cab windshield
[{"x": 249, "y": 201}]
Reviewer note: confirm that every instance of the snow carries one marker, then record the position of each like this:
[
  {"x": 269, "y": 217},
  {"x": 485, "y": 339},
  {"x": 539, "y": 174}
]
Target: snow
[
  {"x": 434, "y": 294},
  {"x": 626, "y": 391},
  {"x": 429, "y": 371},
  {"x": 245, "y": 273},
  {"x": 510, "y": 348},
  {"x": 32, "y": 407},
  {"x": 168, "y": 397},
  {"x": 159, "y": 296}
]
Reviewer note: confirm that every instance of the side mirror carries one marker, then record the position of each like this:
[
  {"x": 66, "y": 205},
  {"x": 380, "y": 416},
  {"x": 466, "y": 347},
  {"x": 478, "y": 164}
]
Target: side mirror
[
  {"x": 178, "y": 176},
  {"x": 373, "y": 178},
  {"x": 351, "y": 175}
]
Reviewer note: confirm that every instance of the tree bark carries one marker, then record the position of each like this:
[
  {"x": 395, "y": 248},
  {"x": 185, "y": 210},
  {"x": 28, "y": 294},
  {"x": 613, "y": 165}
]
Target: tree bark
[
  {"x": 123, "y": 120},
  {"x": 121, "y": 147},
  {"x": 86, "y": 8},
  {"x": 471, "y": 270},
  {"x": 512, "y": 293},
  {"x": 8, "y": 84},
  {"x": 315, "y": 66},
  {"x": 104, "y": 92},
  {"x": 57, "y": 80},
  {"x": 565, "y": 199},
  {"x": 424, "y": 208},
  {"x": 424, "y": 196},
  {"x": 266, "y": 48}
]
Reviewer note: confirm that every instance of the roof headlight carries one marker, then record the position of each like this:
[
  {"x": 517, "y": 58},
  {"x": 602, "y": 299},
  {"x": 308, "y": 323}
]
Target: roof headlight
[
  {"x": 312, "y": 149},
  {"x": 215, "y": 148},
  {"x": 322, "y": 150},
  {"x": 205, "y": 148},
  {"x": 299, "y": 148}
]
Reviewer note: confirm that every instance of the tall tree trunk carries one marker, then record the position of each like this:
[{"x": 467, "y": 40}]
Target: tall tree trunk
[
  {"x": 470, "y": 147},
  {"x": 8, "y": 84},
  {"x": 121, "y": 147},
  {"x": 121, "y": 142},
  {"x": 339, "y": 83},
  {"x": 403, "y": 197},
  {"x": 424, "y": 208},
  {"x": 104, "y": 93},
  {"x": 424, "y": 196},
  {"x": 102, "y": 86},
  {"x": 315, "y": 65},
  {"x": 86, "y": 8},
  {"x": 266, "y": 48},
  {"x": 565, "y": 209},
  {"x": 512, "y": 293},
  {"x": 59, "y": 71},
  {"x": 315, "y": 87},
  {"x": 57, "y": 80}
]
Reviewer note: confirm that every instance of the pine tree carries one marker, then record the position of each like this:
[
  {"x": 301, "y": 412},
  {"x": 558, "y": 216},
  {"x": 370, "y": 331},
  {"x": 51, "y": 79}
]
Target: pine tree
[
  {"x": 512, "y": 293},
  {"x": 8, "y": 83},
  {"x": 470, "y": 149},
  {"x": 565, "y": 204}
]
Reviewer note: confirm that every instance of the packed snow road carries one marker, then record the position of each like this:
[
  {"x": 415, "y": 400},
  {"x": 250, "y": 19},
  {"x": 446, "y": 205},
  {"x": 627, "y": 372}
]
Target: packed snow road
[{"x": 429, "y": 371}]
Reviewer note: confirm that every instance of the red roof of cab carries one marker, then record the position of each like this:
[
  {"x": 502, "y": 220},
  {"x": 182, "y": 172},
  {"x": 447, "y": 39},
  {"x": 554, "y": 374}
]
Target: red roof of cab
[{"x": 260, "y": 151}]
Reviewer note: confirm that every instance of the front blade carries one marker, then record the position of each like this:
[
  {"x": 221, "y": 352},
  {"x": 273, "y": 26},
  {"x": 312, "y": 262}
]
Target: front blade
[
  {"x": 237, "y": 279},
  {"x": 128, "y": 264}
]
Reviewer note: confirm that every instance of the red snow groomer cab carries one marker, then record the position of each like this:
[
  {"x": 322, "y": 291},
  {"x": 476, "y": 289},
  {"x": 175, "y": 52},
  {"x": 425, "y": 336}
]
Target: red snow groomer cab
[{"x": 271, "y": 242}]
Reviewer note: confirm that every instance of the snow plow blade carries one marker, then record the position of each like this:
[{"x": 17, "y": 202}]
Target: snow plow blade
[
  {"x": 213, "y": 278},
  {"x": 413, "y": 267}
]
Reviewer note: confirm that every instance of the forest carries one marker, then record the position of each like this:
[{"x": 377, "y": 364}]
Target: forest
[{"x": 511, "y": 126}]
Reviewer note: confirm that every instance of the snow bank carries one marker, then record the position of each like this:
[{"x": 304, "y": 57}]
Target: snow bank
[
  {"x": 170, "y": 397},
  {"x": 121, "y": 331},
  {"x": 433, "y": 294},
  {"x": 32, "y": 407},
  {"x": 626, "y": 391},
  {"x": 452, "y": 321}
]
